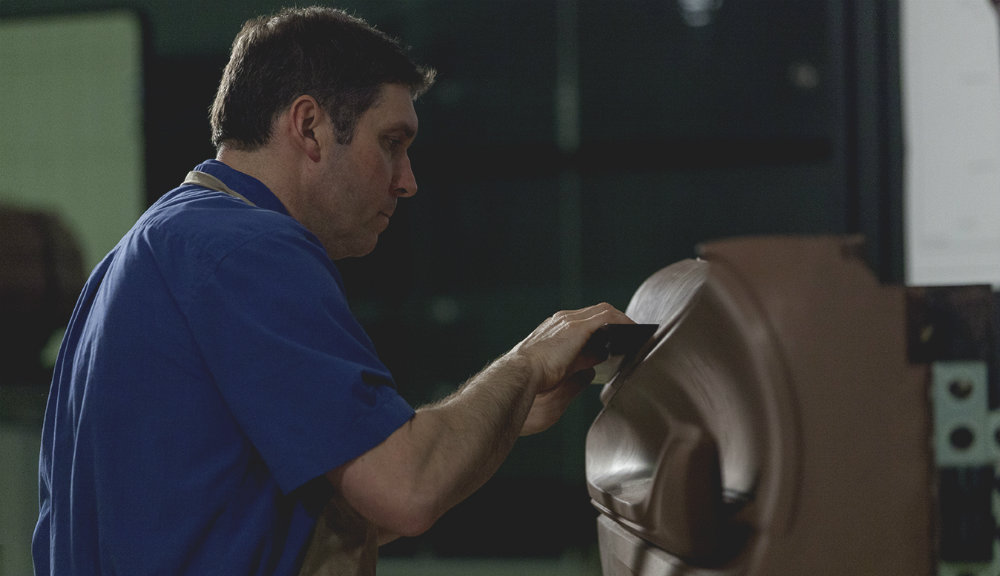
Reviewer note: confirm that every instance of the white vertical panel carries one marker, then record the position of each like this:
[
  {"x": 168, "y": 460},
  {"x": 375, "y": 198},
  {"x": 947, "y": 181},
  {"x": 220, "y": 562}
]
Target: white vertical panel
[{"x": 951, "y": 100}]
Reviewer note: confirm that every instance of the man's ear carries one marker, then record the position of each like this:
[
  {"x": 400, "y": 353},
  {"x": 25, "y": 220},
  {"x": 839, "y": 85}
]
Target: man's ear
[{"x": 306, "y": 117}]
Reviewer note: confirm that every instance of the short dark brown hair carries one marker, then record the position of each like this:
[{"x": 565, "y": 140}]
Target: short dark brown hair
[{"x": 339, "y": 59}]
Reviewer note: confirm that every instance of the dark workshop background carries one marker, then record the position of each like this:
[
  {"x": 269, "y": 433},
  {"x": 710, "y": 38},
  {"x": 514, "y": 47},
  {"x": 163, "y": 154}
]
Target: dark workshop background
[{"x": 568, "y": 151}]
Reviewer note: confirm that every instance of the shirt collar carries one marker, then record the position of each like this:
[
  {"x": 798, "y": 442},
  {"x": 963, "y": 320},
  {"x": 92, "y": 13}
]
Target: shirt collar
[{"x": 247, "y": 185}]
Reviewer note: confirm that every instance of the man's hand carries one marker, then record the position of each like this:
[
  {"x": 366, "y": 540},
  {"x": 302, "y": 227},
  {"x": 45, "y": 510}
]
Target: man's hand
[
  {"x": 554, "y": 351},
  {"x": 549, "y": 406}
]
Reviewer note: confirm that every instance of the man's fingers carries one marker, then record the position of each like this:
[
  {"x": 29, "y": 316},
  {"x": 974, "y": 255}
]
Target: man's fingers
[
  {"x": 597, "y": 315},
  {"x": 582, "y": 379},
  {"x": 572, "y": 385}
]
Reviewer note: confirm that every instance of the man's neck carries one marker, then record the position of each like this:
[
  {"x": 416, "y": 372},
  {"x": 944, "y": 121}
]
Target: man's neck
[{"x": 264, "y": 165}]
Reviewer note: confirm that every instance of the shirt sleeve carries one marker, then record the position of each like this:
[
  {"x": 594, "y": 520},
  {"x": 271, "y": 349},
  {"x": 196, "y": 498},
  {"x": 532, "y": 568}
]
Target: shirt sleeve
[{"x": 297, "y": 370}]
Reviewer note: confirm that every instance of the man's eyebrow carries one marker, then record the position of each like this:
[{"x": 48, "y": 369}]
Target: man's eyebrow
[{"x": 409, "y": 130}]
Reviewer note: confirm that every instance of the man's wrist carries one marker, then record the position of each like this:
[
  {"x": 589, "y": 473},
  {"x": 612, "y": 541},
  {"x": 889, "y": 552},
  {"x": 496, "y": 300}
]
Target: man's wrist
[{"x": 519, "y": 367}]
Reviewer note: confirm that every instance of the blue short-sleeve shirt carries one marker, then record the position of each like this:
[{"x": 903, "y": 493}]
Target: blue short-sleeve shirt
[{"x": 211, "y": 370}]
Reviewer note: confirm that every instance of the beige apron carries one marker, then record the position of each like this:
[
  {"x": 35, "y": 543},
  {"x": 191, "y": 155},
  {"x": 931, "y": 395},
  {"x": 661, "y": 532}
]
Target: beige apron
[
  {"x": 343, "y": 543},
  {"x": 206, "y": 180}
]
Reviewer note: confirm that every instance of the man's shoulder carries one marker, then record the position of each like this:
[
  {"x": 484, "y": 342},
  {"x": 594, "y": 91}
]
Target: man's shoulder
[{"x": 211, "y": 223}]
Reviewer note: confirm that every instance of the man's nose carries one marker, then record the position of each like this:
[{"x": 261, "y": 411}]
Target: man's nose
[{"x": 405, "y": 184}]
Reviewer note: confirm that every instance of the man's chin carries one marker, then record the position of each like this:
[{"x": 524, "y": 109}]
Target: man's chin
[{"x": 358, "y": 251}]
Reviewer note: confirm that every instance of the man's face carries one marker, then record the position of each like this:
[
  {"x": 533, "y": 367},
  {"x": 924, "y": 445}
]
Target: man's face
[{"x": 354, "y": 196}]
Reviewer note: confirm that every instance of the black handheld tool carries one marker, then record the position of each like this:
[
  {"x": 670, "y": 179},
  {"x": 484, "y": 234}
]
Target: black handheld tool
[
  {"x": 618, "y": 339},
  {"x": 616, "y": 342}
]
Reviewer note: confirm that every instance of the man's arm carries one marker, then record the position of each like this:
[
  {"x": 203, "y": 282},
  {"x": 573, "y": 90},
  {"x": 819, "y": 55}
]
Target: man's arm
[{"x": 449, "y": 449}]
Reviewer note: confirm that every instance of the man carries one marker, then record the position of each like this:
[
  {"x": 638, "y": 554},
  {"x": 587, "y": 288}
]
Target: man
[{"x": 214, "y": 392}]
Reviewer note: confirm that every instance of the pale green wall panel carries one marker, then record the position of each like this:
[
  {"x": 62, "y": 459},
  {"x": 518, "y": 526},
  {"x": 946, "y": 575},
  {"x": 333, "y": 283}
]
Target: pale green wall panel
[
  {"x": 18, "y": 496},
  {"x": 71, "y": 126}
]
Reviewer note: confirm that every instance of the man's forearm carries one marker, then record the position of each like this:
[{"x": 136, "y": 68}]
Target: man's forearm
[
  {"x": 449, "y": 449},
  {"x": 485, "y": 417},
  {"x": 445, "y": 452}
]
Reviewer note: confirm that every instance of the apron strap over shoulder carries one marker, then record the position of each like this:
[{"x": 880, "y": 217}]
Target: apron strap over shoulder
[{"x": 206, "y": 180}]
